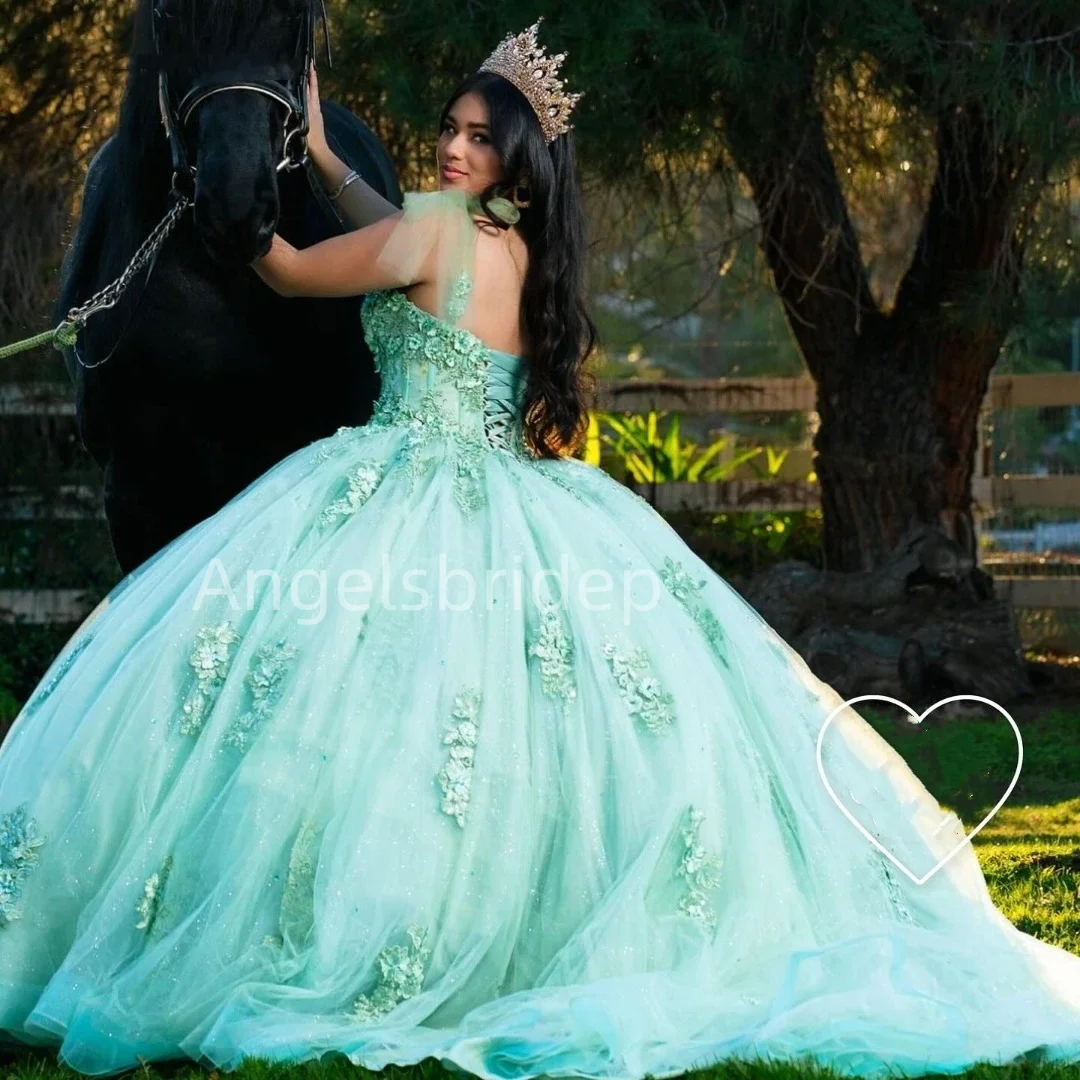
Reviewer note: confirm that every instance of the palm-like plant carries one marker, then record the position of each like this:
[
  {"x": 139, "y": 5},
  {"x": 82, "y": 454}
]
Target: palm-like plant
[
  {"x": 653, "y": 456},
  {"x": 774, "y": 462}
]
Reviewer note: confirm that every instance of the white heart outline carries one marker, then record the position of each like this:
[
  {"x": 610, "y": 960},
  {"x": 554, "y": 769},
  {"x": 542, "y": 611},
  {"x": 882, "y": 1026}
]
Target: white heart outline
[{"x": 918, "y": 720}]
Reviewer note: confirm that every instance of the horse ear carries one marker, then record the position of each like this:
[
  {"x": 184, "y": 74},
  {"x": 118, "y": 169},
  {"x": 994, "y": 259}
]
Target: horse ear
[
  {"x": 326, "y": 33},
  {"x": 160, "y": 12}
]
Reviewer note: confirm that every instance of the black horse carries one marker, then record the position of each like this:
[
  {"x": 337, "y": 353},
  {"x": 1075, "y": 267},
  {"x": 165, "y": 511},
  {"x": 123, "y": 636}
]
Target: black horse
[{"x": 202, "y": 377}]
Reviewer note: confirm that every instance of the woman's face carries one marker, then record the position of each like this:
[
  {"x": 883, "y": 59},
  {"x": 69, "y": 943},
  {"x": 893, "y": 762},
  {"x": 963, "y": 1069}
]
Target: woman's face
[{"x": 467, "y": 157}]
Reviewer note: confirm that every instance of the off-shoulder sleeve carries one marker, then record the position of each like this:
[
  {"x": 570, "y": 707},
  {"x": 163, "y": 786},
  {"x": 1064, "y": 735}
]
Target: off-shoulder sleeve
[{"x": 436, "y": 221}]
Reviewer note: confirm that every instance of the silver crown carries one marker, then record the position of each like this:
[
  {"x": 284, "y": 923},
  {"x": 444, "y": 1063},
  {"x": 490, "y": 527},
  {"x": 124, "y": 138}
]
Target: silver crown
[{"x": 523, "y": 62}]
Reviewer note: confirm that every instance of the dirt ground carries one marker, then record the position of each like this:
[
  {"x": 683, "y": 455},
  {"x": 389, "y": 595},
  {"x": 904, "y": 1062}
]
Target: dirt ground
[{"x": 1057, "y": 685}]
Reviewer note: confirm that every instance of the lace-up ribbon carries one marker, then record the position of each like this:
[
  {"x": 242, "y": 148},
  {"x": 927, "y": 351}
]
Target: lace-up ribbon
[{"x": 502, "y": 397}]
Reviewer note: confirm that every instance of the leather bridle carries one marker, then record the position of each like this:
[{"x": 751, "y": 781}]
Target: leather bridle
[{"x": 292, "y": 95}]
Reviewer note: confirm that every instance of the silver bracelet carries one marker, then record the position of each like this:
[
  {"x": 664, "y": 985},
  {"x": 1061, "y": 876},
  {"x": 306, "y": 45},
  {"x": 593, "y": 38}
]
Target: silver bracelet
[{"x": 350, "y": 176}]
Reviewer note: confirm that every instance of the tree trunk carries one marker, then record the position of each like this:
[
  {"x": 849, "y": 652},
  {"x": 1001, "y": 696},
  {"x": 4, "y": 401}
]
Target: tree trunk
[{"x": 898, "y": 397}]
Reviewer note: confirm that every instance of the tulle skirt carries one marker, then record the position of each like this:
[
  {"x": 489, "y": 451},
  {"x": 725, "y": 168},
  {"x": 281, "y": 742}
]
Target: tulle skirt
[{"x": 292, "y": 789}]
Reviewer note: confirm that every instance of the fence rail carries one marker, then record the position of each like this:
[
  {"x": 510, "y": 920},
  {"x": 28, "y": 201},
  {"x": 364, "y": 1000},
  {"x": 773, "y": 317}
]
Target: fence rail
[
  {"x": 68, "y": 501},
  {"x": 44, "y": 605},
  {"x": 36, "y": 399},
  {"x": 798, "y": 393}
]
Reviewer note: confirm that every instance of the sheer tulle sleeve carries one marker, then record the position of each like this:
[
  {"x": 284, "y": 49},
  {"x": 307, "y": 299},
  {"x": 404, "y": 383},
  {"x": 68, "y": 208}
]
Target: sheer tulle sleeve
[{"x": 436, "y": 231}]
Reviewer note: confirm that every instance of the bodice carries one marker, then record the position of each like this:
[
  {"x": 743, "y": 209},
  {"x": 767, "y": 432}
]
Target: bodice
[{"x": 440, "y": 377}]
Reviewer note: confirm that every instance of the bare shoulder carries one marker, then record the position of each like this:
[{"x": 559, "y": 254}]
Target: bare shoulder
[
  {"x": 500, "y": 266},
  {"x": 502, "y": 248}
]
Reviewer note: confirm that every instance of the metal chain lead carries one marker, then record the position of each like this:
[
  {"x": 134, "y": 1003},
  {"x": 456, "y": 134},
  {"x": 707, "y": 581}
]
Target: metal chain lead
[{"x": 108, "y": 296}]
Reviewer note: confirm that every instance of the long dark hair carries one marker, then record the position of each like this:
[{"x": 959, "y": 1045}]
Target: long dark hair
[{"x": 560, "y": 335}]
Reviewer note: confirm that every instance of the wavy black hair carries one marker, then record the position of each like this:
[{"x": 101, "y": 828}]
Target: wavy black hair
[{"x": 560, "y": 335}]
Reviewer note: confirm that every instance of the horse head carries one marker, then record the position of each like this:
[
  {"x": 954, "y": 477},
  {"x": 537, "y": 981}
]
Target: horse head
[{"x": 233, "y": 97}]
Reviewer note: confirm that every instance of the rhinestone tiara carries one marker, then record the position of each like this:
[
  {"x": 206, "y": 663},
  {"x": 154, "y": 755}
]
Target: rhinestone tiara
[{"x": 523, "y": 62}]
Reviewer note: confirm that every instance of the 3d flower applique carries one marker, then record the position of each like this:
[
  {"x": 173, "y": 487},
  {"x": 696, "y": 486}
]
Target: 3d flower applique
[
  {"x": 148, "y": 905},
  {"x": 678, "y": 581},
  {"x": 19, "y": 843},
  {"x": 554, "y": 647},
  {"x": 700, "y": 870},
  {"x": 644, "y": 697},
  {"x": 455, "y": 777},
  {"x": 210, "y": 659},
  {"x": 400, "y": 975},
  {"x": 264, "y": 679},
  {"x": 363, "y": 479}
]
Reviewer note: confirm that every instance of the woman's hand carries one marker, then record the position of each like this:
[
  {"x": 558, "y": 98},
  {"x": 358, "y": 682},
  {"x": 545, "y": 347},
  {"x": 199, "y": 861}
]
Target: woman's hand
[{"x": 318, "y": 149}]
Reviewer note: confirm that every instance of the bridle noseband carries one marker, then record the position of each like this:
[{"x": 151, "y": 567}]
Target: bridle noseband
[{"x": 291, "y": 94}]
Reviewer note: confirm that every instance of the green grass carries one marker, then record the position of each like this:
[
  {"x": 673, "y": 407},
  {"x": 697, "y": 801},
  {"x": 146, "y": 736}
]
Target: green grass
[
  {"x": 1030, "y": 850},
  {"x": 1030, "y": 853},
  {"x": 33, "y": 1065}
]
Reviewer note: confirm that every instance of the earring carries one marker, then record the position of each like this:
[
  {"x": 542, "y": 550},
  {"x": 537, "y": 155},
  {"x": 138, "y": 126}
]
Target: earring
[{"x": 522, "y": 201}]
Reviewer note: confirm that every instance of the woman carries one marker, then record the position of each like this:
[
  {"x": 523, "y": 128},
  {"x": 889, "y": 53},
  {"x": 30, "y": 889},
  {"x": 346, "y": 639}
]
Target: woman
[{"x": 518, "y": 836}]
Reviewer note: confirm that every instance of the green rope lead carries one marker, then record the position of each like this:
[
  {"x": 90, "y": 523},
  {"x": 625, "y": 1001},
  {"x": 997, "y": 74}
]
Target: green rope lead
[
  {"x": 63, "y": 337},
  {"x": 66, "y": 334}
]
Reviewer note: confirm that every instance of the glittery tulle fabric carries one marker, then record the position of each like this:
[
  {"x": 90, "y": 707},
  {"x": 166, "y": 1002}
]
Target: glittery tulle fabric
[{"x": 243, "y": 816}]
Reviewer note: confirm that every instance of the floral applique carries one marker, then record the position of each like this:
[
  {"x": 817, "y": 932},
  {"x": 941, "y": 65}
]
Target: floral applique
[
  {"x": 555, "y": 648},
  {"x": 425, "y": 424},
  {"x": 264, "y": 679},
  {"x": 19, "y": 841},
  {"x": 469, "y": 473},
  {"x": 428, "y": 423},
  {"x": 457, "y": 299},
  {"x": 334, "y": 444},
  {"x": 701, "y": 872},
  {"x": 363, "y": 479},
  {"x": 685, "y": 589},
  {"x": 558, "y": 472},
  {"x": 400, "y": 332},
  {"x": 641, "y": 691},
  {"x": 296, "y": 911},
  {"x": 149, "y": 904},
  {"x": 455, "y": 777},
  {"x": 401, "y": 971},
  {"x": 210, "y": 659}
]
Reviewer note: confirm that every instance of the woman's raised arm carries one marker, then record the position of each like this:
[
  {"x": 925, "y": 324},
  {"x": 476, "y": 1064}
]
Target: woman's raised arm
[
  {"x": 431, "y": 240},
  {"x": 341, "y": 266}
]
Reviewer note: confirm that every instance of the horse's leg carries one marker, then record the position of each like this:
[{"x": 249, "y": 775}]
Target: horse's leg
[
  {"x": 147, "y": 511},
  {"x": 128, "y": 514}
]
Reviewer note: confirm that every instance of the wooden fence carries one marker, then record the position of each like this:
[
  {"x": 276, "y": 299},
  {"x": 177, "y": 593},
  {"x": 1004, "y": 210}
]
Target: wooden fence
[{"x": 789, "y": 490}]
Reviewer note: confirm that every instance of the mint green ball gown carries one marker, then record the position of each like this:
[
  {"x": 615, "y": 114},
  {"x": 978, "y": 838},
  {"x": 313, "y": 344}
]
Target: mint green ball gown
[{"x": 290, "y": 814}]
